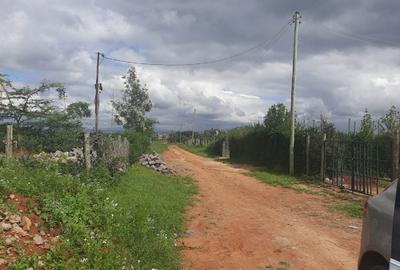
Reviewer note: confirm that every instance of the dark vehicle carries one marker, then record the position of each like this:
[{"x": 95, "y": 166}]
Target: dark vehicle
[{"x": 380, "y": 242}]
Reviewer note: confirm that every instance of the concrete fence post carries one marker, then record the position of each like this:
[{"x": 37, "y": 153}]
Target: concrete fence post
[
  {"x": 225, "y": 148},
  {"x": 322, "y": 168},
  {"x": 9, "y": 141},
  {"x": 86, "y": 150}
]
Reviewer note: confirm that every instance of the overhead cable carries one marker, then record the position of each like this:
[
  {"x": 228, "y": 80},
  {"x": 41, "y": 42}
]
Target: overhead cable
[{"x": 261, "y": 45}]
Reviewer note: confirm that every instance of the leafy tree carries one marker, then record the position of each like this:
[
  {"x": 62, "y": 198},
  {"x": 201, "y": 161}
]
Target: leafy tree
[
  {"x": 367, "y": 126},
  {"x": 40, "y": 124},
  {"x": 78, "y": 110},
  {"x": 135, "y": 103},
  {"x": 23, "y": 105},
  {"x": 391, "y": 120},
  {"x": 277, "y": 119}
]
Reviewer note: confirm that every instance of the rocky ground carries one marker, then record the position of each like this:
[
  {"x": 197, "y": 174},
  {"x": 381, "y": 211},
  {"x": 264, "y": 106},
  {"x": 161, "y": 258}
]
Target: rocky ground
[
  {"x": 154, "y": 161},
  {"x": 23, "y": 232}
]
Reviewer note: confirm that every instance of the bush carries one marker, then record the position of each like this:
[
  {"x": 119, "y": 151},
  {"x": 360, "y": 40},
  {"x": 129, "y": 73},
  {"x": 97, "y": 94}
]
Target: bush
[{"x": 139, "y": 143}]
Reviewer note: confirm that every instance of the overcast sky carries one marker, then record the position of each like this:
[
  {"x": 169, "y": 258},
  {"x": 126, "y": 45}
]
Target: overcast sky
[{"x": 349, "y": 55}]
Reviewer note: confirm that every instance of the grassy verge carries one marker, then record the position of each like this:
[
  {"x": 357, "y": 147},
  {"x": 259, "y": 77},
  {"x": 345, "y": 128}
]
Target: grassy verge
[
  {"x": 198, "y": 150},
  {"x": 158, "y": 146},
  {"x": 339, "y": 202},
  {"x": 108, "y": 222}
]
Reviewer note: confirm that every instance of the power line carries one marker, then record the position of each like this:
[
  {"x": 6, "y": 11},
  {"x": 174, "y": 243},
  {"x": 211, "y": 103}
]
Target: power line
[
  {"x": 261, "y": 45},
  {"x": 353, "y": 36}
]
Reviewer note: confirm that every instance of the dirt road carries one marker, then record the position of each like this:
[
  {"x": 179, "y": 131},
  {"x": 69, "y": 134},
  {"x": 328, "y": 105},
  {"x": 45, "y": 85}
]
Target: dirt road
[{"x": 241, "y": 223}]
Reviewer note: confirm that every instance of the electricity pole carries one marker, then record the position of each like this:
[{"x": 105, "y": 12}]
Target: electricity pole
[
  {"x": 97, "y": 96},
  {"x": 296, "y": 21},
  {"x": 194, "y": 115}
]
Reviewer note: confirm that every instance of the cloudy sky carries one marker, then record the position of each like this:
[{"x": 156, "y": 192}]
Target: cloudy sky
[{"x": 349, "y": 55}]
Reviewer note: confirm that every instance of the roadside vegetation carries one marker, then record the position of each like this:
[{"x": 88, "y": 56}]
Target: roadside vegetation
[
  {"x": 158, "y": 146},
  {"x": 105, "y": 219},
  {"x": 108, "y": 221},
  {"x": 198, "y": 150}
]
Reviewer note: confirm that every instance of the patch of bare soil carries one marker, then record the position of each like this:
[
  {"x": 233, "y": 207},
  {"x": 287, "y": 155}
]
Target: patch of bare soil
[
  {"x": 23, "y": 232},
  {"x": 240, "y": 223}
]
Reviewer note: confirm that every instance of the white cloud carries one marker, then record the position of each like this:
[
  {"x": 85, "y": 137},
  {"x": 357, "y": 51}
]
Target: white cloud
[{"x": 336, "y": 76}]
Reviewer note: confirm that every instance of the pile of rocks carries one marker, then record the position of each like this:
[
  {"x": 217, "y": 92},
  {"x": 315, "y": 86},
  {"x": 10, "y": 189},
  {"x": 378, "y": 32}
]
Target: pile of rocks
[
  {"x": 74, "y": 156},
  {"x": 154, "y": 161}
]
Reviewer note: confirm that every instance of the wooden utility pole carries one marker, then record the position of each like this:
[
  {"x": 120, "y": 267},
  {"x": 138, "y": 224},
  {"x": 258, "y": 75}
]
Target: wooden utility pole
[
  {"x": 194, "y": 115},
  {"x": 97, "y": 96},
  {"x": 395, "y": 155},
  {"x": 308, "y": 154},
  {"x": 296, "y": 21}
]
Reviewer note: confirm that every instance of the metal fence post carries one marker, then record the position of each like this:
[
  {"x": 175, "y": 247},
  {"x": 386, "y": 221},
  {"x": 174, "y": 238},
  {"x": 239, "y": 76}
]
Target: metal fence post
[
  {"x": 395, "y": 155},
  {"x": 322, "y": 168},
  {"x": 9, "y": 141},
  {"x": 86, "y": 150}
]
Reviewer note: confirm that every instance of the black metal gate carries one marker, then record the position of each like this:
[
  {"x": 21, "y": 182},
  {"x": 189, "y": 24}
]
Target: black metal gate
[{"x": 358, "y": 166}]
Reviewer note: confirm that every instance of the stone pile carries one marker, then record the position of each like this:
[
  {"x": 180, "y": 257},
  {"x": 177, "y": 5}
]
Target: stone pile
[
  {"x": 154, "y": 161},
  {"x": 73, "y": 156}
]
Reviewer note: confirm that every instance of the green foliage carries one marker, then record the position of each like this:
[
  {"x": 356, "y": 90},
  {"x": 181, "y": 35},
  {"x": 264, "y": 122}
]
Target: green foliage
[
  {"x": 277, "y": 119},
  {"x": 139, "y": 143},
  {"x": 39, "y": 124},
  {"x": 134, "y": 105},
  {"x": 78, "y": 110},
  {"x": 25, "y": 104},
  {"x": 391, "y": 120},
  {"x": 132, "y": 222},
  {"x": 57, "y": 131},
  {"x": 349, "y": 208},
  {"x": 158, "y": 146},
  {"x": 258, "y": 145},
  {"x": 198, "y": 150},
  {"x": 342, "y": 204},
  {"x": 367, "y": 127}
]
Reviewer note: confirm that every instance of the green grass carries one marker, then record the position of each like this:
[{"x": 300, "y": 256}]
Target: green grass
[
  {"x": 158, "y": 146},
  {"x": 155, "y": 207},
  {"x": 349, "y": 208},
  {"x": 197, "y": 150},
  {"x": 109, "y": 222},
  {"x": 338, "y": 202},
  {"x": 282, "y": 180}
]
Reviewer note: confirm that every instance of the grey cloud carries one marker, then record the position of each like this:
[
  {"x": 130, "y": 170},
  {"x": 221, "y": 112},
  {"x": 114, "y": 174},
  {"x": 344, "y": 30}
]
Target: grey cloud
[{"x": 348, "y": 57}]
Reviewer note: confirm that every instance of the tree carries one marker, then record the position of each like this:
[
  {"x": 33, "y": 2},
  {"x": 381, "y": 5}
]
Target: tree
[
  {"x": 25, "y": 104},
  {"x": 391, "y": 120},
  {"x": 78, "y": 110},
  {"x": 40, "y": 124},
  {"x": 367, "y": 126},
  {"x": 277, "y": 119},
  {"x": 135, "y": 103}
]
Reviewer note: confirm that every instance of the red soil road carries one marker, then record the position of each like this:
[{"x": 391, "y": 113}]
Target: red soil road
[{"x": 239, "y": 222}]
